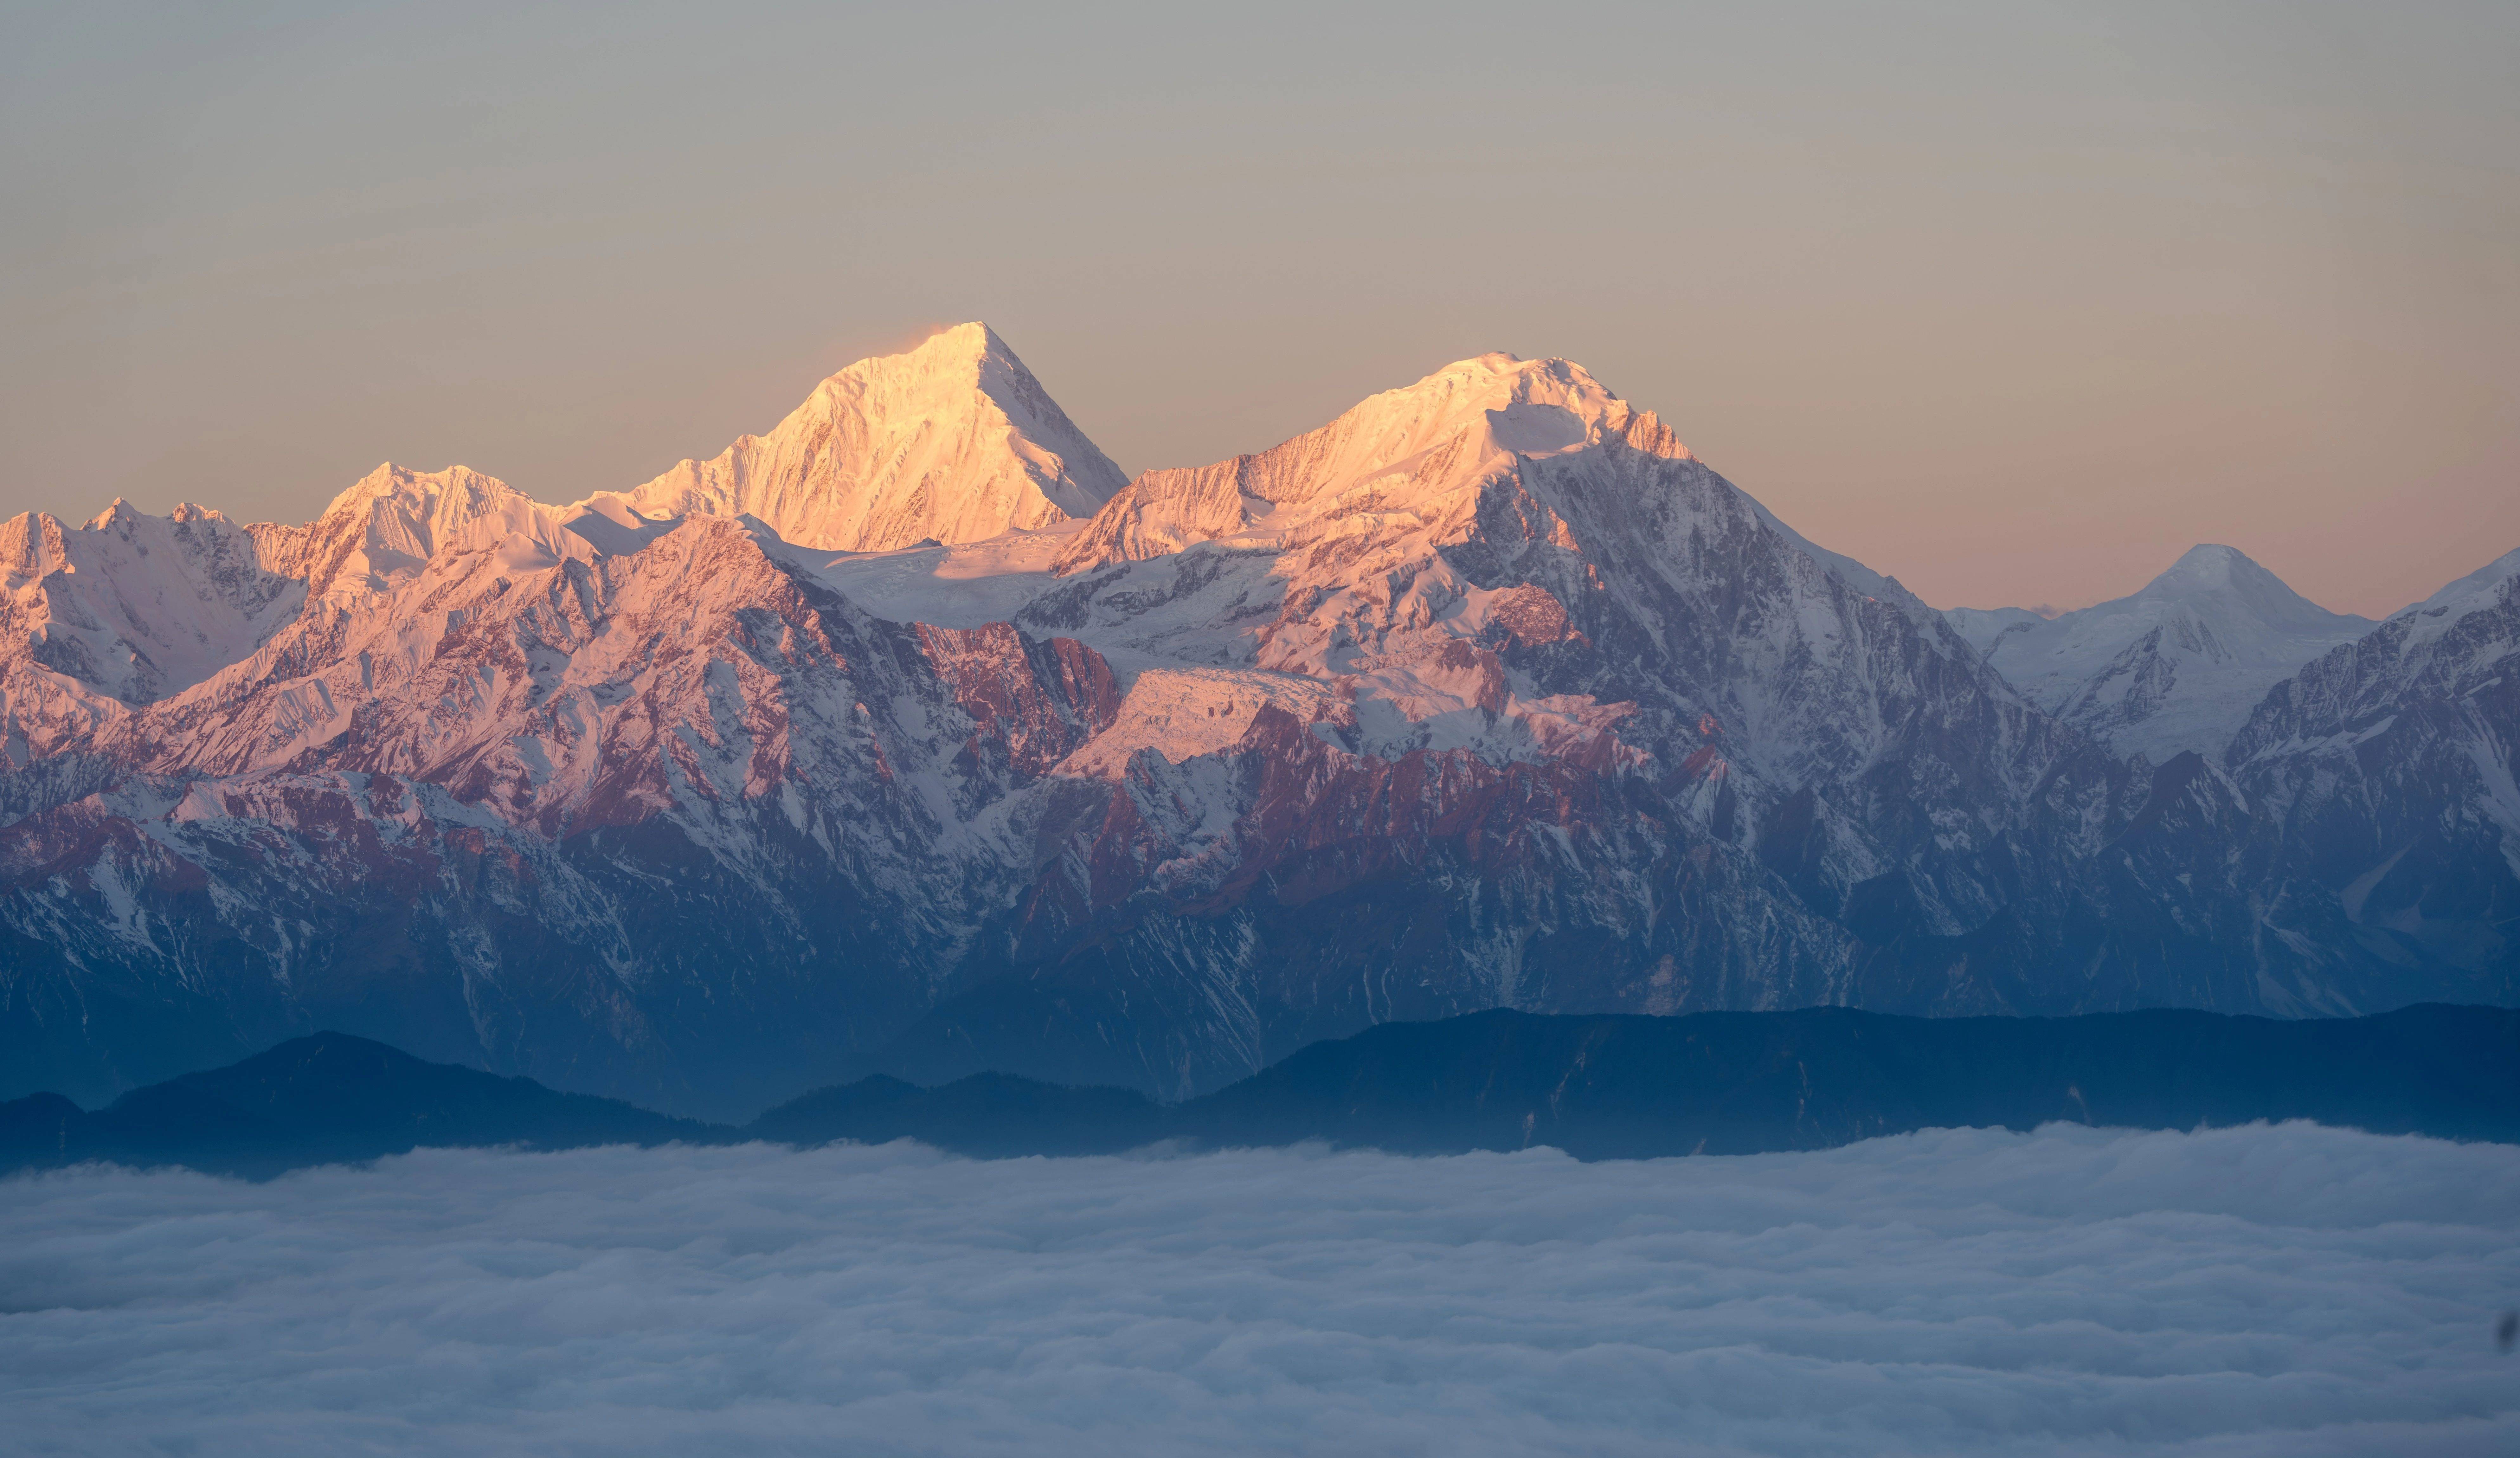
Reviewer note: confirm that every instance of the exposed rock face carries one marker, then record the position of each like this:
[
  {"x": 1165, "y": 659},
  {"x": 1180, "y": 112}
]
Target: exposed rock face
[{"x": 1486, "y": 694}]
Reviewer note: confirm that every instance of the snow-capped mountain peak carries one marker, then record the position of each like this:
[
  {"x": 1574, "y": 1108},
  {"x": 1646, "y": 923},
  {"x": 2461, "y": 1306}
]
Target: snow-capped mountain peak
[
  {"x": 121, "y": 611},
  {"x": 2210, "y": 564},
  {"x": 380, "y": 531},
  {"x": 1484, "y": 693},
  {"x": 1524, "y": 407},
  {"x": 954, "y": 440},
  {"x": 2226, "y": 581},
  {"x": 1421, "y": 449},
  {"x": 2175, "y": 665}
]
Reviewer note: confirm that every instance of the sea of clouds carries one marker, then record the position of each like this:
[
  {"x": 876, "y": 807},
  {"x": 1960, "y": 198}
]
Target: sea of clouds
[{"x": 2291, "y": 1291}]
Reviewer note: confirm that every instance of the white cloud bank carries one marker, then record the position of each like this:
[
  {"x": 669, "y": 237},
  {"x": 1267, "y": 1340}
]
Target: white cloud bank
[{"x": 2290, "y": 1289}]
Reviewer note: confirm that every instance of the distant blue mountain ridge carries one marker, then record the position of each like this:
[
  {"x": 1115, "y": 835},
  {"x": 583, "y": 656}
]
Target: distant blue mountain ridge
[{"x": 1597, "y": 1087}]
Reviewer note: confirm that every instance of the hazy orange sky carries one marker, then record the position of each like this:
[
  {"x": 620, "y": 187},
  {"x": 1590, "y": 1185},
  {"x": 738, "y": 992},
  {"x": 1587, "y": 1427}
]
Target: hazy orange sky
[{"x": 2014, "y": 301}]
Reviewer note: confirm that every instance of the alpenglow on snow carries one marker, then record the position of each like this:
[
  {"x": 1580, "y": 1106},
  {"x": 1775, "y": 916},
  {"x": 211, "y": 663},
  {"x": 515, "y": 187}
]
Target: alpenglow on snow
[{"x": 911, "y": 737}]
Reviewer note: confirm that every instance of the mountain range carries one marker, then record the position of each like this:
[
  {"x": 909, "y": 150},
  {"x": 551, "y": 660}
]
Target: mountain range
[
  {"x": 911, "y": 739},
  {"x": 1597, "y": 1087}
]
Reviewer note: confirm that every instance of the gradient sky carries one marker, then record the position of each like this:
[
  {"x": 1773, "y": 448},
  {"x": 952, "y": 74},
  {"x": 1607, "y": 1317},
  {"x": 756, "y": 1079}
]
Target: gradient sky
[{"x": 2014, "y": 301}]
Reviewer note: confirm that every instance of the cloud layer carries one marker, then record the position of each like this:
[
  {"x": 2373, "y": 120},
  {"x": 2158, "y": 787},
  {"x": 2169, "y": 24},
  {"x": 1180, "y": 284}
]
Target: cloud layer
[{"x": 2289, "y": 1290}]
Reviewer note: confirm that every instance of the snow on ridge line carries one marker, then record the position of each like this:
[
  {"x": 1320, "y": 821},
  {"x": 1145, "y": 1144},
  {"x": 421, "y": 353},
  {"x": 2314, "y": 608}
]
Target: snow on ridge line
[
  {"x": 403, "y": 508},
  {"x": 1329, "y": 525},
  {"x": 966, "y": 442},
  {"x": 1502, "y": 645},
  {"x": 1416, "y": 448}
]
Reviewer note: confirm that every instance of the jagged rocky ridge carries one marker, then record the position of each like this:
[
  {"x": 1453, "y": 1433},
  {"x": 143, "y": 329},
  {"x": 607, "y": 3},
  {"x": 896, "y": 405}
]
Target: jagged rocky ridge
[{"x": 1487, "y": 694}]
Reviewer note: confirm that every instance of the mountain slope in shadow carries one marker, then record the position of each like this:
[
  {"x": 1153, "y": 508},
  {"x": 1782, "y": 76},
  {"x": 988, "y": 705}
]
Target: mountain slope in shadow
[
  {"x": 327, "y": 1098},
  {"x": 1633, "y": 1087},
  {"x": 1598, "y": 1087}
]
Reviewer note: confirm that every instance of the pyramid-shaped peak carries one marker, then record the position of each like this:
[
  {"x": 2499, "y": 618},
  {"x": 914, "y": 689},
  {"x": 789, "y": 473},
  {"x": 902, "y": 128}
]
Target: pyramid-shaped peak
[
  {"x": 954, "y": 377},
  {"x": 958, "y": 352},
  {"x": 951, "y": 438},
  {"x": 2205, "y": 567},
  {"x": 2211, "y": 573},
  {"x": 2209, "y": 567}
]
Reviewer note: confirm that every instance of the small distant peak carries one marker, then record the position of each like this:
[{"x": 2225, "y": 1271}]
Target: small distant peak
[
  {"x": 2211, "y": 571},
  {"x": 121, "y": 514},
  {"x": 2209, "y": 564}
]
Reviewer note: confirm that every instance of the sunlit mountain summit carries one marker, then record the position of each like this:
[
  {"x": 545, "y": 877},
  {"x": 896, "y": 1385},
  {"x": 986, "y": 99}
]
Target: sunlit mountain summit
[{"x": 909, "y": 736}]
